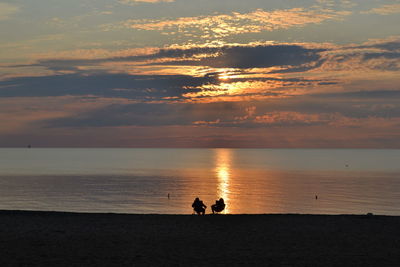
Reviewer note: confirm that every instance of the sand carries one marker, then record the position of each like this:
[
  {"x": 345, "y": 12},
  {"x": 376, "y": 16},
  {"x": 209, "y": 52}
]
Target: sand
[{"x": 73, "y": 239}]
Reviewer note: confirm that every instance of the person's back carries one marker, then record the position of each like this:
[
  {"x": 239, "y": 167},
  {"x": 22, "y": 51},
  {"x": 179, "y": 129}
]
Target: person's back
[
  {"x": 199, "y": 206},
  {"x": 218, "y": 206}
]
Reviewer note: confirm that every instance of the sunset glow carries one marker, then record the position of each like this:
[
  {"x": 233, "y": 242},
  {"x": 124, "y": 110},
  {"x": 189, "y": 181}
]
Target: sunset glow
[{"x": 164, "y": 73}]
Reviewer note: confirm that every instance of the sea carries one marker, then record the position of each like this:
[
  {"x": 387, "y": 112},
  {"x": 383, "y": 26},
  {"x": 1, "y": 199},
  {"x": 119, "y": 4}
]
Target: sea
[{"x": 166, "y": 181}]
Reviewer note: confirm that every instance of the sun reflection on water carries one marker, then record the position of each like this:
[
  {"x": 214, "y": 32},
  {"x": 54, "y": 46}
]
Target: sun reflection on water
[{"x": 223, "y": 172}]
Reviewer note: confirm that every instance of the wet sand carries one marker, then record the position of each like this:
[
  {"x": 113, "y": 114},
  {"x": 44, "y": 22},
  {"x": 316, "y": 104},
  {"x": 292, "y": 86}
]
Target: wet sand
[{"x": 78, "y": 239}]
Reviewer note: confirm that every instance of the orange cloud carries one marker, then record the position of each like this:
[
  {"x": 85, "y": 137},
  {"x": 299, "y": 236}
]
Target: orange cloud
[
  {"x": 336, "y": 120},
  {"x": 129, "y": 2},
  {"x": 95, "y": 53},
  {"x": 206, "y": 122},
  {"x": 384, "y": 10},
  {"x": 251, "y": 89},
  {"x": 236, "y": 23},
  {"x": 332, "y": 3},
  {"x": 290, "y": 117}
]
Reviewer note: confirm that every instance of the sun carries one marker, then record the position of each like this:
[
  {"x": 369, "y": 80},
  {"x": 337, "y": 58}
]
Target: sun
[{"x": 224, "y": 76}]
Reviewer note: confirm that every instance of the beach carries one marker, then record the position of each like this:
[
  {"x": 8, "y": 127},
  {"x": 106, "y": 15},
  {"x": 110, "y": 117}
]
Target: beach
[{"x": 31, "y": 238}]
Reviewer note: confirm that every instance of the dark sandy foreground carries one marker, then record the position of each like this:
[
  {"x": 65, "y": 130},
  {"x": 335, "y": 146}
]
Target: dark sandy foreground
[{"x": 68, "y": 239}]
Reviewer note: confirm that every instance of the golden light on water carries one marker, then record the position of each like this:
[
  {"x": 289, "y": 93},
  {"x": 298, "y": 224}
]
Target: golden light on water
[{"x": 223, "y": 172}]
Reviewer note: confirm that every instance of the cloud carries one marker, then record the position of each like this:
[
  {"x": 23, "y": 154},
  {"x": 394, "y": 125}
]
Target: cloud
[
  {"x": 277, "y": 122},
  {"x": 152, "y": 114},
  {"x": 148, "y": 87},
  {"x": 240, "y": 58},
  {"x": 391, "y": 44},
  {"x": 285, "y": 57},
  {"x": 231, "y": 71},
  {"x": 7, "y": 10},
  {"x": 222, "y": 25},
  {"x": 131, "y": 2},
  {"x": 334, "y": 110},
  {"x": 384, "y": 10},
  {"x": 258, "y": 57},
  {"x": 290, "y": 118},
  {"x": 375, "y": 55},
  {"x": 246, "y": 60},
  {"x": 332, "y": 3},
  {"x": 214, "y": 73},
  {"x": 376, "y": 94}
]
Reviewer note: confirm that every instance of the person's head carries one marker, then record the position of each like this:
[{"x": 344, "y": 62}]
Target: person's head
[
  {"x": 197, "y": 199},
  {"x": 221, "y": 199}
]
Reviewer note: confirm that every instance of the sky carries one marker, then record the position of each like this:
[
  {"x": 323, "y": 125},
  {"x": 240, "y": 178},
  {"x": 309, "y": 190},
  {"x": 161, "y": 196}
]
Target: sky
[{"x": 204, "y": 73}]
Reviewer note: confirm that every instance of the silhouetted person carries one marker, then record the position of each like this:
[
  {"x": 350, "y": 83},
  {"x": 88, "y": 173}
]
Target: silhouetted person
[
  {"x": 218, "y": 206},
  {"x": 199, "y": 206}
]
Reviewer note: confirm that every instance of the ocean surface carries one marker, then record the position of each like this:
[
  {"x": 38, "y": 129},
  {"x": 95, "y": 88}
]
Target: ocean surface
[{"x": 345, "y": 181}]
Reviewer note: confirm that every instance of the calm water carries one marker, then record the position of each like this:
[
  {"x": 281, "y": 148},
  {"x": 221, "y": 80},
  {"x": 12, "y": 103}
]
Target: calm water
[{"x": 250, "y": 180}]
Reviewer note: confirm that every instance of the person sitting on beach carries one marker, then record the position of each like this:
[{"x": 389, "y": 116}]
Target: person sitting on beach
[
  {"x": 199, "y": 206},
  {"x": 218, "y": 206}
]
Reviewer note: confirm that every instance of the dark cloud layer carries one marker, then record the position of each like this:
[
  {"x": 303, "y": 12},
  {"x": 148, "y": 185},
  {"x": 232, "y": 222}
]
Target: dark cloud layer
[
  {"x": 388, "y": 45},
  {"x": 105, "y": 85},
  {"x": 253, "y": 56},
  {"x": 242, "y": 57},
  {"x": 147, "y": 114},
  {"x": 311, "y": 110},
  {"x": 137, "y": 87},
  {"x": 388, "y": 55}
]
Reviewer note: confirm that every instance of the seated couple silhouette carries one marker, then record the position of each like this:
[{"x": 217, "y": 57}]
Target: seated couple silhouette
[{"x": 199, "y": 207}]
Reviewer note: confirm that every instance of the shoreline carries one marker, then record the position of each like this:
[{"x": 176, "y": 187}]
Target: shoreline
[
  {"x": 56, "y": 212},
  {"x": 46, "y": 238}
]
